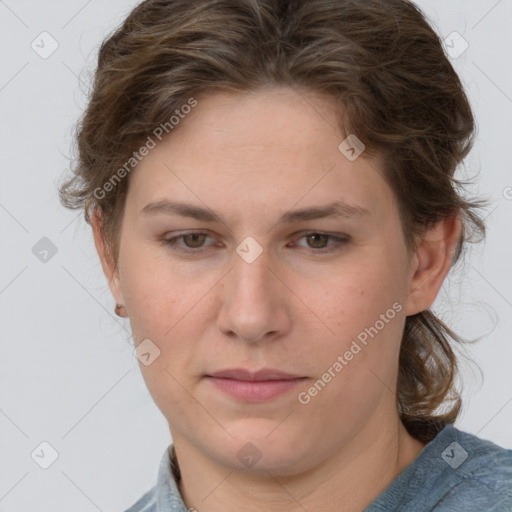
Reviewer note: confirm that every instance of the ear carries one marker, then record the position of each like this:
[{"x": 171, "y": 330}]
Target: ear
[
  {"x": 107, "y": 262},
  {"x": 431, "y": 263}
]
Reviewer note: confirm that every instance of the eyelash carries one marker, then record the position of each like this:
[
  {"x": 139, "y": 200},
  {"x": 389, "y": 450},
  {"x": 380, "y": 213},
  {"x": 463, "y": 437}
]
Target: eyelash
[{"x": 172, "y": 242}]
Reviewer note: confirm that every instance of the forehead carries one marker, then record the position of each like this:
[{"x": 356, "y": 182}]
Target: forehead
[
  {"x": 274, "y": 122},
  {"x": 271, "y": 146}
]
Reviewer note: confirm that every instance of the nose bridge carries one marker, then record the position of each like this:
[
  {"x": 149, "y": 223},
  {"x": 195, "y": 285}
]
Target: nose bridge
[
  {"x": 251, "y": 278},
  {"x": 252, "y": 281},
  {"x": 252, "y": 305},
  {"x": 251, "y": 274}
]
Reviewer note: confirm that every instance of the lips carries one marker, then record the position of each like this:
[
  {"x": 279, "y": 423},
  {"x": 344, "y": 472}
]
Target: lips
[
  {"x": 258, "y": 386},
  {"x": 260, "y": 375}
]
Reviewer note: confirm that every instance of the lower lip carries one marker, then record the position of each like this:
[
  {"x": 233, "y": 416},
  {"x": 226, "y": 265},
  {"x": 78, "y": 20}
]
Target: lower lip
[{"x": 254, "y": 391}]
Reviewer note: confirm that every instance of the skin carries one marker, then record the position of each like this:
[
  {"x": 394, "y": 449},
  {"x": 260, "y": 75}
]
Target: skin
[{"x": 250, "y": 158}]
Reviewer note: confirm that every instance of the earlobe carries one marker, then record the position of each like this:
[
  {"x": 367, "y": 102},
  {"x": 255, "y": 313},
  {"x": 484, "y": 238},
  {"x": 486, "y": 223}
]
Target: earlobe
[
  {"x": 109, "y": 267},
  {"x": 431, "y": 263}
]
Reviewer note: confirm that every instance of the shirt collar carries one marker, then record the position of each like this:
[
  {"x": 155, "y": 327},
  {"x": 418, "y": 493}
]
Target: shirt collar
[{"x": 168, "y": 496}]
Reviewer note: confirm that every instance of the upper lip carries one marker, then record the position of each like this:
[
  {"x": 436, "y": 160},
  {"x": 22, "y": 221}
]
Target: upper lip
[{"x": 260, "y": 375}]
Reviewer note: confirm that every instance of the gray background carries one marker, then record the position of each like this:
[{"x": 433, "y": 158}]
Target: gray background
[{"x": 68, "y": 376}]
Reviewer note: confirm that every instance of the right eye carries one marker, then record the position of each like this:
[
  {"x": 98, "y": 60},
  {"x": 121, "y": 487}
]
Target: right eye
[{"x": 193, "y": 242}]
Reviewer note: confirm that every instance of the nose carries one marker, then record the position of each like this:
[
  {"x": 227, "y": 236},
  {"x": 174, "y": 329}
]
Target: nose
[{"x": 255, "y": 302}]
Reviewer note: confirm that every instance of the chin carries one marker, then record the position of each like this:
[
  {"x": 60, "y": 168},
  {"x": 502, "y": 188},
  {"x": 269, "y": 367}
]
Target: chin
[{"x": 259, "y": 445}]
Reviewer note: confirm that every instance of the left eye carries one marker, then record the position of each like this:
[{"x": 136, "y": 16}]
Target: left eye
[
  {"x": 194, "y": 242},
  {"x": 318, "y": 237}
]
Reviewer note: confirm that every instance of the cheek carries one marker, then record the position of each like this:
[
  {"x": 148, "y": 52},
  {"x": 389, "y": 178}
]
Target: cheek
[
  {"x": 165, "y": 306},
  {"x": 169, "y": 389},
  {"x": 356, "y": 367},
  {"x": 355, "y": 297},
  {"x": 155, "y": 293},
  {"x": 363, "y": 308},
  {"x": 161, "y": 309}
]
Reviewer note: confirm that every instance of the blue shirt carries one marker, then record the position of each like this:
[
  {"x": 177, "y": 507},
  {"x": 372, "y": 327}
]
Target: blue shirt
[{"x": 455, "y": 472}]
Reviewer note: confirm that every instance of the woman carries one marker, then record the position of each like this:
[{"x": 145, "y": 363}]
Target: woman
[{"x": 272, "y": 195}]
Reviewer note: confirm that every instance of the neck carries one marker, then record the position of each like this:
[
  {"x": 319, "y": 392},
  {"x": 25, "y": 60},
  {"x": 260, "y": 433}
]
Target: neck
[{"x": 348, "y": 481}]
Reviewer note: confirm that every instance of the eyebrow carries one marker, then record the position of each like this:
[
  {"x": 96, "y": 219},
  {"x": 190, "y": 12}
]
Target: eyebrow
[{"x": 335, "y": 209}]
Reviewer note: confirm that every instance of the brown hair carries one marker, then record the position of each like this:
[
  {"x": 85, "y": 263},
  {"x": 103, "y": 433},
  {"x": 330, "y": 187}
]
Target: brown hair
[{"x": 383, "y": 63}]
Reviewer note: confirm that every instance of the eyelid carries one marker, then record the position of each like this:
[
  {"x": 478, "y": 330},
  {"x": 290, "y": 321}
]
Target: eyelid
[{"x": 173, "y": 240}]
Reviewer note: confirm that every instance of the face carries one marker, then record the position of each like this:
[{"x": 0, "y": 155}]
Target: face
[{"x": 250, "y": 275}]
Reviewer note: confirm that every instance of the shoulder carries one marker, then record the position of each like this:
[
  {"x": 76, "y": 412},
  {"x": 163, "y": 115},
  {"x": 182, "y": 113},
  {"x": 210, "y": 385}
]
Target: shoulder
[
  {"x": 147, "y": 503},
  {"x": 455, "y": 472},
  {"x": 477, "y": 458},
  {"x": 477, "y": 474}
]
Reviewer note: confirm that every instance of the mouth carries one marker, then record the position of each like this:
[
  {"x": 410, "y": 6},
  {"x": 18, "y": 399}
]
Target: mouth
[{"x": 256, "y": 386}]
